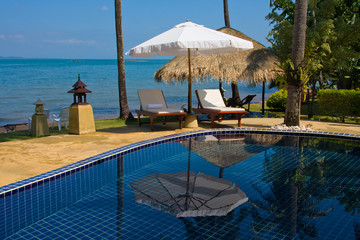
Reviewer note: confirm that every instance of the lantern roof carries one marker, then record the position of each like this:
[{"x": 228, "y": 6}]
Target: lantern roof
[
  {"x": 79, "y": 83},
  {"x": 39, "y": 102},
  {"x": 79, "y": 87},
  {"x": 79, "y": 90}
]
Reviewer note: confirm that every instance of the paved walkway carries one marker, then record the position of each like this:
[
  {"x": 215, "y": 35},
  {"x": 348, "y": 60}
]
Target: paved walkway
[{"x": 23, "y": 159}]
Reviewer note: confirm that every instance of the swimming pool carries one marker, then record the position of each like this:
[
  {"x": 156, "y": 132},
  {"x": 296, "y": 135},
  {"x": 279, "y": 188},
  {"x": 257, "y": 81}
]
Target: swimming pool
[{"x": 297, "y": 183}]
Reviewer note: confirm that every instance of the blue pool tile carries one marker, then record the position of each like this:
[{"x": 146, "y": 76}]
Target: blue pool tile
[{"x": 89, "y": 181}]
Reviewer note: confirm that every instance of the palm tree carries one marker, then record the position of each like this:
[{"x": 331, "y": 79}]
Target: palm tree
[
  {"x": 234, "y": 86},
  {"x": 124, "y": 107},
  {"x": 295, "y": 82}
]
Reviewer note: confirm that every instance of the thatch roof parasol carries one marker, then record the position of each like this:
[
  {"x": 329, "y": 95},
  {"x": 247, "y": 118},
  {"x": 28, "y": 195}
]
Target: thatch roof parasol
[
  {"x": 252, "y": 66},
  {"x": 223, "y": 153}
]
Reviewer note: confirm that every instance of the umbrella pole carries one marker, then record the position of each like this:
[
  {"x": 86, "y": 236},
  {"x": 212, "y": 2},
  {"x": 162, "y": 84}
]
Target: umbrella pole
[
  {"x": 189, "y": 85},
  {"x": 263, "y": 99}
]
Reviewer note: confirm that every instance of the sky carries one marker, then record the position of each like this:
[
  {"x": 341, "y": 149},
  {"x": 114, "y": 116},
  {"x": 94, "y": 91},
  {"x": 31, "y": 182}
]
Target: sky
[{"x": 86, "y": 29}]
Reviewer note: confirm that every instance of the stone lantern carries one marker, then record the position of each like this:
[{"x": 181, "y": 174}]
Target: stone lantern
[
  {"x": 81, "y": 117},
  {"x": 39, "y": 124}
]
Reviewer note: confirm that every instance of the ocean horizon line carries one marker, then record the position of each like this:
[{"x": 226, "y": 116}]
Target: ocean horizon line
[{"x": 58, "y": 58}]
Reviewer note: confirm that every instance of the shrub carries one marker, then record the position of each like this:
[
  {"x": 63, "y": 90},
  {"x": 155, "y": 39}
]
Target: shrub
[
  {"x": 277, "y": 100},
  {"x": 339, "y": 103}
]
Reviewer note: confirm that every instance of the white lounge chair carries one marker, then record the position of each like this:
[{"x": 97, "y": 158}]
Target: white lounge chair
[
  {"x": 210, "y": 102},
  {"x": 153, "y": 104},
  {"x": 63, "y": 117}
]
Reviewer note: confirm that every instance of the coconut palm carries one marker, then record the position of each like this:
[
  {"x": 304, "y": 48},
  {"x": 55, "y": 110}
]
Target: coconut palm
[
  {"x": 236, "y": 101},
  {"x": 124, "y": 107},
  {"x": 294, "y": 79}
]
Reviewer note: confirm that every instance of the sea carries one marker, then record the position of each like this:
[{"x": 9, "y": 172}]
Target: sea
[{"x": 24, "y": 81}]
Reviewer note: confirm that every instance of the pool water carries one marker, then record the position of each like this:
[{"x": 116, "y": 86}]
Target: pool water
[{"x": 297, "y": 187}]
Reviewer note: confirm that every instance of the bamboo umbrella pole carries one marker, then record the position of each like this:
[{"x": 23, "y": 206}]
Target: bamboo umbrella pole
[
  {"x": 263, "y": 99},
  {"x": 189, "y": 85}
]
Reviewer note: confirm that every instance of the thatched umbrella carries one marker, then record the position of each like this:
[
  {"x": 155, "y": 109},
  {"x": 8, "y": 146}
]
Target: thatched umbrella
[
  {"x": 223, "y": 153},
  {"x": 253, "y": 66}
]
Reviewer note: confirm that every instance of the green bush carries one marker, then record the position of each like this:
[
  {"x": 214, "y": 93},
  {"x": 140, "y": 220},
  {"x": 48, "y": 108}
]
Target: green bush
[
  {"x": 339, "y": 103},
  {"x": 277, "y": 100}
]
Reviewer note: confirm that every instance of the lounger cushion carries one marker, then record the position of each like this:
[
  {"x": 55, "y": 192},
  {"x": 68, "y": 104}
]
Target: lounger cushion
[
  {"x": 210, "y": 98},
  {"x": 151, "y": 96},
  {"x": 165, "y": 110},
  {"x": 227, "y": 109},
  {"x": 154, "y": 106}
]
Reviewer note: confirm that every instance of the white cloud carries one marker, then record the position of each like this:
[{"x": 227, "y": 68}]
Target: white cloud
[
  {"x": 72, "y": 41},
  {"x": 104, "y": 8},
  {"x": 17, "y": 36}
]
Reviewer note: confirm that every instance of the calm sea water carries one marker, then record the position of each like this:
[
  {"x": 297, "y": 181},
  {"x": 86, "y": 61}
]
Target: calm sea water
[{"x": 23, "y": 81}]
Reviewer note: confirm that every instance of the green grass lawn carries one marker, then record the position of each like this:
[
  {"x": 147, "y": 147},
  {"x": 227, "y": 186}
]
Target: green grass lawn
[
  {"x": 100, "y": 124},
  {"x": 24, "y": 134},
  {"x": 113, "y": 123},
  {"x": 116, "y": 123}
]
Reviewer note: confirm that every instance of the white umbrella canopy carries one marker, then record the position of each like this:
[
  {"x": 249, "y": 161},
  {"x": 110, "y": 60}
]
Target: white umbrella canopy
[
  {"x": 190, "y": 39},
  {"x": 187, "y": 194},
  {"x": 189, "y": 35}
]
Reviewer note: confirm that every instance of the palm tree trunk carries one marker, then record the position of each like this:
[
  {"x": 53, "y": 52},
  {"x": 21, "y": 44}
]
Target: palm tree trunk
[
  {"x": 226, "y": 13},
  {"x": 295, "y": 85},
  {"x": 234, "y": 86},
  {"x": 124, "y": 107}
]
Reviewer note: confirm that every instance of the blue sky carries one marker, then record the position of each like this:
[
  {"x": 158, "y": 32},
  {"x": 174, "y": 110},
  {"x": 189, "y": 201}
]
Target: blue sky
[{"x": 86, "y": 29}]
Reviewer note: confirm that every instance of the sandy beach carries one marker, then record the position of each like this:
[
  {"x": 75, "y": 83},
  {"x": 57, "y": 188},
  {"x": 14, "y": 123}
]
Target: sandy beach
[{"x": 23, "y": 159}]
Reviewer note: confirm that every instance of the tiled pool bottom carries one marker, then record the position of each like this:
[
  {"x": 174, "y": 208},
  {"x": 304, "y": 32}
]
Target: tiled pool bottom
[{"x": 95, "y": 201}]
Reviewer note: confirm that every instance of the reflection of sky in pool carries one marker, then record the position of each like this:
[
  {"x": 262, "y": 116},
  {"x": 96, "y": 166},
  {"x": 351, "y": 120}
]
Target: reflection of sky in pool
[{"x": 295, "y": 185}]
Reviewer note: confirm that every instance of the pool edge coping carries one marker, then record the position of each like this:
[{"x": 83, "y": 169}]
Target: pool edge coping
[{"x": 22, "y": 185}]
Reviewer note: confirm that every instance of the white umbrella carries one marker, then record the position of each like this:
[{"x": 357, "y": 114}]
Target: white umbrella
[
  {"x": 189, "y": 39},
  {"x": 186, "y": 194}
]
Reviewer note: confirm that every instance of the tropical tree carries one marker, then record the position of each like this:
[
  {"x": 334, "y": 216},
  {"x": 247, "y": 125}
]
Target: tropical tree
[
  {"x": 124, "y": 107},
  {"x": 332, "y": 41},
  {"x": 295, "y": 78},
  {"x": 236, "y": 101}
]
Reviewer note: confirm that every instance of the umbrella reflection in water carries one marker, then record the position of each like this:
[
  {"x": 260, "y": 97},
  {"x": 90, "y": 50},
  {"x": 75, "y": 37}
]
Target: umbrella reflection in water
[
  {"x": 225, "y": 151},
  {"x": 187, "y": 194}
]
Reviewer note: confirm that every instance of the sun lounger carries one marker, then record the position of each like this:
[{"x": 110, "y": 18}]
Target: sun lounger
[
  {"x": 245, "y": 101},
  {"x": 153, "y": 104},
  {"x": 210, "y": 102}
]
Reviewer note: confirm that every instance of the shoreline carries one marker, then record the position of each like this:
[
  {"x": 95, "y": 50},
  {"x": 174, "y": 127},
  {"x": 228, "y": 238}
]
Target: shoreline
[{"x": 100, "y": 115}]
